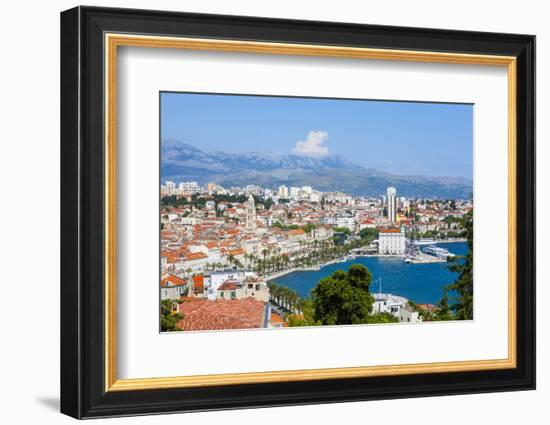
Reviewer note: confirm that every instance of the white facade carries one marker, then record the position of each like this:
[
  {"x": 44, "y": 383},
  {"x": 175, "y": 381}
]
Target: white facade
[
  {"x": 348, "y": 222},
  {"x": 408, "y": 315},
  {"x": 189, "y": 187},
  {"x": 391, "y": 241},
  {"x": 283, "y": 191},
  {"x": 307, "y": 189},
  {"x": 170, "y": 188},
  {"x": 388, "y": 303},
  {"x": 391, "y": 203}
]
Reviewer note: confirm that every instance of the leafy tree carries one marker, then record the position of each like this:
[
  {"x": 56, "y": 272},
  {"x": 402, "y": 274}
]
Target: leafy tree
[
  {"x": 462, "y": 305},
  {"x": 384, "y": 317},
  {"x": 443, "y": 311},
  {"x": 369, "y": 234},
  {"x": 306, "y": 318},
  {"x": 343, "y": 230},
  {"x": 343, "y": 298},
  {"x": 168, "y": 319}
]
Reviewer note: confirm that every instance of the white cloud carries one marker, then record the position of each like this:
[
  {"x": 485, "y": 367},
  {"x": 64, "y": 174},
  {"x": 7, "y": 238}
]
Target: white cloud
[{"x": 313, "y": 145}]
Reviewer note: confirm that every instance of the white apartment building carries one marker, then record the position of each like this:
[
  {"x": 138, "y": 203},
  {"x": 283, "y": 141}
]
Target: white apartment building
[
  {"x": 283, "y": 191},
  {"x": 345, "y": 221},
  {"x": 188, "y": 187},
  {"x": 170, "y": 188},
  {"x": 391, "y": 241}
]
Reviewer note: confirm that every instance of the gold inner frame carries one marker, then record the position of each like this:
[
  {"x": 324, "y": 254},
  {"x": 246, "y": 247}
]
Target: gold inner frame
[{"x": 113, "y": 41}]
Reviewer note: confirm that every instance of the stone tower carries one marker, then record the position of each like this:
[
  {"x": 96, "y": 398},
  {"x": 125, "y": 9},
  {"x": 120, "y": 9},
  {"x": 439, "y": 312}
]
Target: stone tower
[{"x": 250, "y": 225}]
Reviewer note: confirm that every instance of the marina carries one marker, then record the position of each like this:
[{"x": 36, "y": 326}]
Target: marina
[{"x": 420, "y": 282}]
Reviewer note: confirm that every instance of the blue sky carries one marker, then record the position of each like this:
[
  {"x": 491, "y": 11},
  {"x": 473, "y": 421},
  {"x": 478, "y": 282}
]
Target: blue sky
[{"x": 404, "y": 138}]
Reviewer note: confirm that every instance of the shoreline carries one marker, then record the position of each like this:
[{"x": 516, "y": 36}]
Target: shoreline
[{"x": 328, "y": 263}]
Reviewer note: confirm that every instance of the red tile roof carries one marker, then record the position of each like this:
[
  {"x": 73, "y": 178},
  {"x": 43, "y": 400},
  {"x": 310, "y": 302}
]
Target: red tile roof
[
  {"x": 195, "y": 256},
  {"x": 237, "y": 251},
  {"x": 229, "y": 285},
  {"x": 390, "y": 230},
  {"x": 201, "y": 314},
  {"x": 172, "y": 280}
]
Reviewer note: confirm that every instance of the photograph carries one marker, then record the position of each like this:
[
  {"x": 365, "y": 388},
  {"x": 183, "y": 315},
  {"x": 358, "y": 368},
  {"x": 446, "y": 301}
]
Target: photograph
[{"x": 280, "y": 212}]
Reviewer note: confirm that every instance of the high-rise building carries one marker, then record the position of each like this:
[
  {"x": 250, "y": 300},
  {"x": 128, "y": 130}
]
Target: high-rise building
[
  {"x": 250, "y": 224},
  {"x": 294, "y": 192},
  {"x": 391, "y": 199},
  {"x": 188, "y": 187},
  {"x": 170, "y": 188},
  {"x": 283, "y": 191}
]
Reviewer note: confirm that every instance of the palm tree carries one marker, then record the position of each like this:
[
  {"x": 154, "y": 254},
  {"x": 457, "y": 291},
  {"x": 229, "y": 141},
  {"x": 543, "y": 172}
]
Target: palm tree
[{"x": 230, "y": 259}]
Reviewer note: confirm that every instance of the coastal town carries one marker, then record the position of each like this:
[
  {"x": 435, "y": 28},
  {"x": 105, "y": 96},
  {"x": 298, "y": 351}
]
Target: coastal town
[{"x": 222, "y": 248}]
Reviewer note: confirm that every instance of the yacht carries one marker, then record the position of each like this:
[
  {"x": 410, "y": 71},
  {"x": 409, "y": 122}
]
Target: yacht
[{"x": 437, "y": 252}]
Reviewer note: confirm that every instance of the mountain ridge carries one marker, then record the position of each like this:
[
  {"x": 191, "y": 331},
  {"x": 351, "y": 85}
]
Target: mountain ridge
[{"x": 184, "y": 162}]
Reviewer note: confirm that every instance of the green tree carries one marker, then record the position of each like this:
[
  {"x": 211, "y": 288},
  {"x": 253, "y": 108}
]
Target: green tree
[
  {"x": 443, "y": 311},
  {"x": 382, "y": 318},
  {"x": 169, "y": 320},
  {"x": 343, "y": 298},
  {"x": 368, "y": 234},
  {"x": 306, "y": 318},
  {"x": 463, "y": 303},
  {"x": 343, "y": 230}
]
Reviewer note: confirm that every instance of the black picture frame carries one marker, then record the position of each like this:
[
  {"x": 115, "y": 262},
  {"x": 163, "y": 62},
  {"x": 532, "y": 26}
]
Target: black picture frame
[{"x": 82, "y": 212}]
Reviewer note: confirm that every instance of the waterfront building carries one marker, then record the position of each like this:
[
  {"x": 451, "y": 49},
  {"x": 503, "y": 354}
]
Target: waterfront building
[
  {"x": 250, "y": 223},
  {"x": 388, "y": 303},
  {"x": 392, "y": 241},
  {"x": 391, "y": 206}
]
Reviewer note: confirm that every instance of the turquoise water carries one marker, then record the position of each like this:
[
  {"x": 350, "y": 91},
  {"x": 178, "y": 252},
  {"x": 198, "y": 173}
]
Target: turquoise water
[{"x": 422, "y": 283}]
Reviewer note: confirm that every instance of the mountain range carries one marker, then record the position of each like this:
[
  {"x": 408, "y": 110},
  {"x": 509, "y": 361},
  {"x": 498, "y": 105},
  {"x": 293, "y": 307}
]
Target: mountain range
[{"x": 184, "y": 162}]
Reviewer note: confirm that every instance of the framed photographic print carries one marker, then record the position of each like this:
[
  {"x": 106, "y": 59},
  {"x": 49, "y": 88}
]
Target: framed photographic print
[{"x": 261, "y": 212}]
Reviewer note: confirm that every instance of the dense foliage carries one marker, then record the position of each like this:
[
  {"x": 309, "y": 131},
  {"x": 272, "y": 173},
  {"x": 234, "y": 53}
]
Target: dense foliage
[
  {"x": 168, "y": 319},
  {"x": 462, "y": 303},
  {"x": 343, "y": 298}
]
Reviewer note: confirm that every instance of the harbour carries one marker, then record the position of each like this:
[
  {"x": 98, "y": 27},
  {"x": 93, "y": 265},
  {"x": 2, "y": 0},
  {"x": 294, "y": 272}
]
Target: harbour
[{"x": 420, "y": 282}]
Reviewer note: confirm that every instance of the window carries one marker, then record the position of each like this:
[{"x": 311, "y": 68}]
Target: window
[{"x": 233, "y": 295}]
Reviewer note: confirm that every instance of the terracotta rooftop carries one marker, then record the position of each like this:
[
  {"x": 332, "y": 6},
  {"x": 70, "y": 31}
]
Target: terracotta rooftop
[
  {"x": 202, "y": 314},
  {"x": 171, "y": 280},
  {"x": 195, "y": 256},
  {"x": 237, "y": 251},
  {"x": 390, "y": 230},
  {"x": 229, "y": 285}
]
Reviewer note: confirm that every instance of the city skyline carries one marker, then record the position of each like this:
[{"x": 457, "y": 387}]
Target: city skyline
[{"x": 402, "y": 138}]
